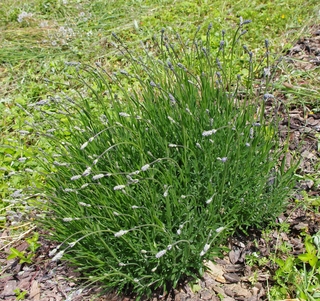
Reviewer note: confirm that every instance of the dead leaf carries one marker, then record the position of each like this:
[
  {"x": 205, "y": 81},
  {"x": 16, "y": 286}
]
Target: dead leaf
[
  {"x": 35, "y": 291},
  {"x": 238, "y": 290},
  {"x": 234, "y": 255},
  {"x": 232, "y": 277},
  {"x": 287, "y": 85},
  {"x": 216, "y": 271}
]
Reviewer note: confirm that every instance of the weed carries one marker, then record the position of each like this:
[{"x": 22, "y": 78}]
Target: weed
[
  {"x": 20, "y": 294},
  {"x": 33, "y": 245},
  {"x": 299, "y": 276},
  {"x": 255, "y": 259}
]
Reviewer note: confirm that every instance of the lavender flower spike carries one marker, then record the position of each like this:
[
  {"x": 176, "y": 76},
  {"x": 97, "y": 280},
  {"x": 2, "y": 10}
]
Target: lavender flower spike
[
  {"x": 267, "y": 96},
  {"x": 172, "y": 99},
  {"x": 171, "y": 119},
  {"x": 153, "y": 84},
  {"x": 161, "y": 253},
  {"x": 220, "y": 229},
  {"x": 87, "y": 172},
  {"x": 120, "y": 233},
  {"x": 208, "y": 133},
  {"x": 58, "y": 256},
  {"x": 123, "y": 114},
  {"x": 119, "y": 187},
  {"x": 145, "y": 167},
  {"x": 99, "y": 176},
  {"x": 84, "y": 145},
  {"x": 205, "y": 250},
  {"x": 209, "y": 201},
  {"x": 223, "y": 159}
]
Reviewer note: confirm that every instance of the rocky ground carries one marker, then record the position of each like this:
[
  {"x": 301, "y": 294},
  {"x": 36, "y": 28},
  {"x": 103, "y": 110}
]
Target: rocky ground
[{"x": 230, "y": 277}]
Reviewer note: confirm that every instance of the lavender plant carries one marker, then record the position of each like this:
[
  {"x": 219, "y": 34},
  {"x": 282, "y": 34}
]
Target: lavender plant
[{"x": 157, "y": 165}]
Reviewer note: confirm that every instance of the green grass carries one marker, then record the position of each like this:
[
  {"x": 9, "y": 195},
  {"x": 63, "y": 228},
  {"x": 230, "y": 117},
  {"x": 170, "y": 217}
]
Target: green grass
[
  {"x": 33, "y": 55},
  {"x": 39, "y": 39},
  {"x": 299, "y": 86}
]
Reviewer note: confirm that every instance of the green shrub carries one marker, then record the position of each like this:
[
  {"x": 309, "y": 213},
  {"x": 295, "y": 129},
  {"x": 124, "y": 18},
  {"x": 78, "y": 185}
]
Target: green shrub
[{"x": 154, "y": 167}]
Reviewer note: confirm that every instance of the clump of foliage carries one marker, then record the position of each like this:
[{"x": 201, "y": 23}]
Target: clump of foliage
[
  {"x": 299, "y": 276},
  {"x": 155, "y": 166},
  {"x": 33, "y": 245}
]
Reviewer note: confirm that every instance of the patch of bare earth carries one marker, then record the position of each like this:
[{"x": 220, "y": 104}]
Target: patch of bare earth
[{"x": 231, "y": 277}]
